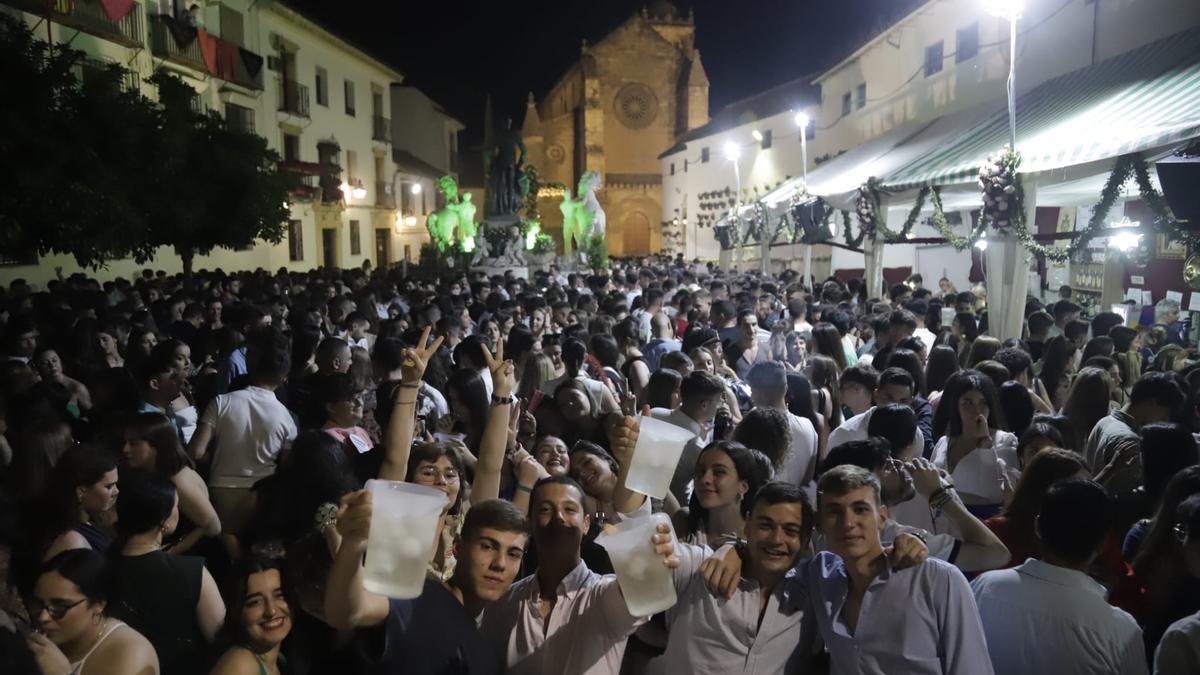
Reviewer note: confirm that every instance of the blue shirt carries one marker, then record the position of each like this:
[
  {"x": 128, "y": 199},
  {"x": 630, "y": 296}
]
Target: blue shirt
[{"x": 921, "y": 620}]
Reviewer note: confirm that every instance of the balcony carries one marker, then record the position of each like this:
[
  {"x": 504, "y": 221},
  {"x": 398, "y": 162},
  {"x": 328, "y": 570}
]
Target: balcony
[
  {"x": 383, "y": 195},
  {"x": 381, "y": 129},
  {"x": 293, "y": 98},
  {"x": 89, "y": 16},
  {"x": 205, "y": 52},
  {"x": 239, "y": 118}
]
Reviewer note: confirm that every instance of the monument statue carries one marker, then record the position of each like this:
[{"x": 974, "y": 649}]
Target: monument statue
[
  {"x": 584, "y": 221},
  {"x": 505, "y": 169},
  {"x": 454, "y": 223}
]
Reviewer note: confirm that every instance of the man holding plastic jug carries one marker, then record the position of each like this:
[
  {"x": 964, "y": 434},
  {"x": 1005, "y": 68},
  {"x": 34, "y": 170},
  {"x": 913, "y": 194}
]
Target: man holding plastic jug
[
  {"x": 436, "y": 632},
  {"x": 564, "y": 618}
]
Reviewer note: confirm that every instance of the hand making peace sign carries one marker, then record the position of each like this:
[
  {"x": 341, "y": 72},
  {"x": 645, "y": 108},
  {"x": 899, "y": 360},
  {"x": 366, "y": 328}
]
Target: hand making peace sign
[
  {"x": 415, "y": 359},
  {"x": 503, "y": 380}
]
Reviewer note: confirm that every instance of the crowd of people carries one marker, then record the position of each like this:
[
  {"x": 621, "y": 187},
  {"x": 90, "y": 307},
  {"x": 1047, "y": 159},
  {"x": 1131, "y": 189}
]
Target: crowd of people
[{"x": 874, "y": 483}]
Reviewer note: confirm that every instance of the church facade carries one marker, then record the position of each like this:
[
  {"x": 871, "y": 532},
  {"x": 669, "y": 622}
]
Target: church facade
[{"x": 629, "y": 97}]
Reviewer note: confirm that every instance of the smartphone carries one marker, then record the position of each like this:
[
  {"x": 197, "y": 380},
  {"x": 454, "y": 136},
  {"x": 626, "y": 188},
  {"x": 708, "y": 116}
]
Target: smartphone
[{"x": 534, "y": 401}]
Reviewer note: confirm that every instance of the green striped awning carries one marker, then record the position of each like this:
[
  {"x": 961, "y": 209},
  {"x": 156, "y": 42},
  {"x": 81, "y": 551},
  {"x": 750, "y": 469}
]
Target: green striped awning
[{"x": 1145, "y": 98}]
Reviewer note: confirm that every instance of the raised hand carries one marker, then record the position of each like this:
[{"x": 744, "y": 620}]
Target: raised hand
[
  {"x": 664, "y": 546},
  {"x": 503, "y": 379},
  {"x": 622, "y": 438},
  {"x": 416, "y": 359},
  {"x": 926, "y": 477},
  {"x": 354, "y": 519}
]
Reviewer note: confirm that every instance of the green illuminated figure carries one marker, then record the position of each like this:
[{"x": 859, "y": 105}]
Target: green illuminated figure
[
  {"x": 455, "y": 222},
  {"x": 583, "y": 219}
]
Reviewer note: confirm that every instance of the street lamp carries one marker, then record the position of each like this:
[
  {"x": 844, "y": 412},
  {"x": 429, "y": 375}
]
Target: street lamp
[
  {"x": 1011, "y": 10},
  {"x": 801, "y": 120},
  {"x": 756, "y": 135},
  {"x": 415, "y": 189},
  {"x": 359, "y": 191}
]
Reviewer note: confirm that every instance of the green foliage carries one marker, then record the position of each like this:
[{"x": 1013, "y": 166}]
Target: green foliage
[
  {"x": 106, "y": 173},
  {"x": 596, "y": 253},
  {"x": 542, "y": 244}
]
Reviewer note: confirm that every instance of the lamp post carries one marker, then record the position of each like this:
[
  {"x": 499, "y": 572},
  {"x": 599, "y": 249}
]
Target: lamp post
[
  {"x": 802, "y": 121},
  {"x": 733, "y": 153},
  {"x": 1011, "y": 10}
]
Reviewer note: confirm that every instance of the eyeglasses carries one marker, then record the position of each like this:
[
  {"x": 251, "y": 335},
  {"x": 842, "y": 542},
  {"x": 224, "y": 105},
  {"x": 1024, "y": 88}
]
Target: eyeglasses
[
  {"x": 56, "y": 610},
  {"x": 431, "y": 473}
]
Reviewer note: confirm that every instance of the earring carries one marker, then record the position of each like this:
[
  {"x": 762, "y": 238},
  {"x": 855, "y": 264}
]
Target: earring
[{"x": 96, "y": 619}]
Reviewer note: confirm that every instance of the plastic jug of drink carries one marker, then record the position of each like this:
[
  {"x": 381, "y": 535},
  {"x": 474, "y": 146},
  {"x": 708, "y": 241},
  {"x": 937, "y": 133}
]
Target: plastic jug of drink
[
  {"x": 404, "y": 522},
  {"x": 655, "y": 457},
  {"x": 645, "y": 581}
]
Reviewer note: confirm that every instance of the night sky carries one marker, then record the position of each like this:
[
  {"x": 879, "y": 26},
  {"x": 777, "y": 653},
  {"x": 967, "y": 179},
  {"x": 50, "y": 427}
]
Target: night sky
[{"x": 457, "y": 52}]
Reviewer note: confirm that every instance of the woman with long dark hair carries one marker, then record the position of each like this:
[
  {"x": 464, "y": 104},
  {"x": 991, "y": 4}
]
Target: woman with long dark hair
[
  {"x": 467, "y": 395},
  {"x": 1170, "y": 592},
  {"x": 79, "y": 501},
  {"x": 972, "y": 446},
  {"x": 171, "y": 599},
  {"x": 824, "y": 377},
  {"x": 828, "y": 342},
  {"x": 76, "y": 633},
  {"x": 1057, "y": 360},
  {"x": 1087, "y": 400},
  {"x": 942, "y": 363},
  {"x": 1015, "y": 524},
  {"x": 152, "y": 444},
  {"x": 965, "y": 328},
  {"x": 258, "y": 621},
  {"x": 727, "y": 473}
]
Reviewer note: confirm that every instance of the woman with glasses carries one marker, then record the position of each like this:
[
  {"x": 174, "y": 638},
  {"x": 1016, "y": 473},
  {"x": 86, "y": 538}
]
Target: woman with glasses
[
  {"x": 74, "y": 633},
  {"x": 1170, "y": 593},
  {"x": 343, "y": 402}
]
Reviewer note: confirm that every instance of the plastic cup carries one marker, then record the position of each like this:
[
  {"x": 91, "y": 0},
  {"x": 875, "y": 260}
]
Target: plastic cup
[
  {"x": 403, "y": 527},
  {"x": 656, "y": 456},
  {"x": 645, "y": 581}
]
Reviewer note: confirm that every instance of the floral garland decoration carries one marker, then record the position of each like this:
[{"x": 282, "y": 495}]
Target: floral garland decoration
[
  {"x": 866, "y": 207},
  {"x": 1003, "y": 196},
  {"x": 852, "y": 242},
  {"x": 909, "y": 221},
  {"x": 940, "y": 223}
]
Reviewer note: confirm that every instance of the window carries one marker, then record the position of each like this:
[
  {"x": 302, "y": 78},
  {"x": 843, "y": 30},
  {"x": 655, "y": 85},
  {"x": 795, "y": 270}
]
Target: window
[
  {"x": 239, "y": 118},
  {"x": 968, "y": 43},
  {"x": 291, "y": 147},
  {"x": 355, "y": 238},
  {"x": 846, "y": 100},
  {"x": 351, "y": 165},
  {"x": 408, "y": 253},
  {"x": 860, "y": 96},
  {"x": 703, "y": 155},
  {"x": 934, "y": 55},
  {"x": 766, "y": 140},
  {"x": 349, "y": 89},
  {"x": 407, "y": 198},
  {"x": 295, "y": 241},
  {"x": 322, "y": 87},
  {"x": 233, "y": 28}
]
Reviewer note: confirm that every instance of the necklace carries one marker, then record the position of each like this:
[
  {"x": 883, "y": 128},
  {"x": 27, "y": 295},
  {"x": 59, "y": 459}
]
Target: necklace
[{"x": 132, "y": 549}]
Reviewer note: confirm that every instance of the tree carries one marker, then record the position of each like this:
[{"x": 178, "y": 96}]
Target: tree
[
  {"x": 72, "y": 148},
  {"x": 103, "y": 173},
  {"x": 212, "y": 186}
]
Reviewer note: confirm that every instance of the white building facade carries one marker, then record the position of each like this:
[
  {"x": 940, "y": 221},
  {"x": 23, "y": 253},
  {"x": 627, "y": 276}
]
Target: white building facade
[
  {"x": 699, "y": 178},
  {"x": 320, "y": 102},
  {"x": 943, "y": 58}
]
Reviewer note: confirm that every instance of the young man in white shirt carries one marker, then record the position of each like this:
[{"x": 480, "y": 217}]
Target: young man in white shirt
[
  {"x": 1048, "y": 616},
  {"x": 768, "y": 388}
]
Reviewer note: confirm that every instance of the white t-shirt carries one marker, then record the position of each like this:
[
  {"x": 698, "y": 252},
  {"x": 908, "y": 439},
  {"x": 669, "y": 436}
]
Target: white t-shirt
[
  {"x": 978, "y": 473},
  {"x": 855, "y": 429},
  {"x": 250, "y": 427},
  {"x": 801, "y": 464}
]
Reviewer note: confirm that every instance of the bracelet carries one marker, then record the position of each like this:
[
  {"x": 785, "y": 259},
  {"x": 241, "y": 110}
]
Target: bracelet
[
  {"x": 524, "y": 488},
  {"x": 405, "y": 385},
  {"x": 508, "y": 400}
]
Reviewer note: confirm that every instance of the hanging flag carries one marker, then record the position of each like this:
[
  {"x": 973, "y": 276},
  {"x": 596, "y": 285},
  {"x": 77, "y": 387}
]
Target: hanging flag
[
  {"x": 116, "y": 10},
  {"x": 208, "y": 49}
]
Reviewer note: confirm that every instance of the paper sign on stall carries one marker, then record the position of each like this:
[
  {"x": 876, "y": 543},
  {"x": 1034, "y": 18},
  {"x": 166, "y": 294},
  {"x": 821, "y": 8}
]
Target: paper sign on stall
[
  {"x": 1136, "y": 280},
  {"x": 1177, "y": 296},
  {"x": 1134, "y": 295},
  {"x": 1194, "y": 304},
  {"x": 1147, "y": 298}
]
